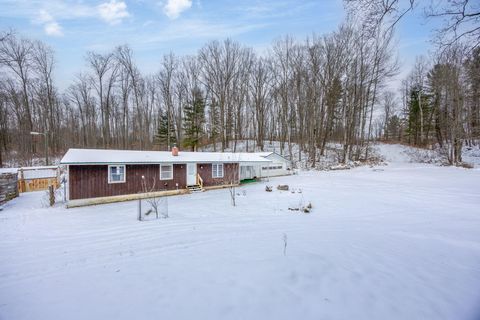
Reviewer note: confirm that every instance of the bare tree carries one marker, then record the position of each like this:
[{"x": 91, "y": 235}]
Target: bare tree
[
  {"x": 165, "y": 78},
  {"x": 260, "y": 89},
  {"x": 388, "y": 111},
  {"x": 16, "y": 56},
  {"x": 46, "y": 93},
  {"x": 155, "y": 202},
  {"x": 105, "y": 73},
  {"x": 232, "y": 179},
  {"x": 460, "y": 18}
]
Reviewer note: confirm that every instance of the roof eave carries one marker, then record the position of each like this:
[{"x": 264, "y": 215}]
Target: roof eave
[{"x": 159, "y": 162}]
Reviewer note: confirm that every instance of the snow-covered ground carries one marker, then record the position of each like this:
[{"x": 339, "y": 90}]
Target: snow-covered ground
[{"x": 400, "y": 241}]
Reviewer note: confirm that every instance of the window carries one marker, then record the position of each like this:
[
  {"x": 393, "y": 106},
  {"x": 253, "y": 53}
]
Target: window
[
  {"x": 166, "y": 172},
  {"x": 116, "y": 174},
  {"x": 217, "y": 170},
  {"x": 274, "y": 167}
]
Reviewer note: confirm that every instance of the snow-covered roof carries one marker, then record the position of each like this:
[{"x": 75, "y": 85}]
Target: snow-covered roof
[
  {"x": 102, "y": 156},
  {"x": 264, "y": 154},
  {"x": 267, "y": 154},
  {"x": 38, "y": 172},
  {"x": 8, "y": 170}
]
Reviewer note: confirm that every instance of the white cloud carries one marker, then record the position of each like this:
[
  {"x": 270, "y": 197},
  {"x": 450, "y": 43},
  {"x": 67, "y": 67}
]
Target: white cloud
[
  {"x": 53, "y": 29},
  {"x": 174, "y": 8},
  {"x": 113, "y": 12},
  {"x": 194, "y": 29},
  {"x": 44, "y": 16},
  {"x": 50, "y": 26}
]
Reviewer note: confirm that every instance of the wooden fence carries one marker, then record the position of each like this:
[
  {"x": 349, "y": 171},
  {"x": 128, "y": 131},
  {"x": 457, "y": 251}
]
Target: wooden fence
[
  {"x": 8, "y": 186},
  {"x": 38, "y": 178}
]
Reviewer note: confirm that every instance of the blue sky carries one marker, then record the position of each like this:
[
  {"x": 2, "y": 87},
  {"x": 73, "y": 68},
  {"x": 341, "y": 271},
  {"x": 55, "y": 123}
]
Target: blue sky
[{"x": 153, "y": 28}]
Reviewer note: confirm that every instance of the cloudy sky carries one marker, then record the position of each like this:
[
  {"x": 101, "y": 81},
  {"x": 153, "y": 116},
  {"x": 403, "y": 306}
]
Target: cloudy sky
[{"x": 153, "y": 28}]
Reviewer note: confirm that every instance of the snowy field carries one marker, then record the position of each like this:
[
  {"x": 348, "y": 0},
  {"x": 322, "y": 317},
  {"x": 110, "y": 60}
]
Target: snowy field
[{"x": 394, "y": 242}]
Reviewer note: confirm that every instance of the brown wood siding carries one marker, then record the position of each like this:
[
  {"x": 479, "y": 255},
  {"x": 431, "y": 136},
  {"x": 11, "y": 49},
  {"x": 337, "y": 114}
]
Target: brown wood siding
[
  {"x": 91, "y": 181},
  {"x": 230, "y": 174}
]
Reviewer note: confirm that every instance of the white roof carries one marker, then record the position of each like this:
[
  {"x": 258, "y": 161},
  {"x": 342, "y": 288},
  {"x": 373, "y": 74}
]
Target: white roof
[
  {"x": 33, "y": 172},
  {"x": 39, "y": 173},
  {"x": 102, "y": 156},
  {"x": 264, "y": 154},
  {"x": 267, "y": 154},
  {"x": 8, "y": 170}
]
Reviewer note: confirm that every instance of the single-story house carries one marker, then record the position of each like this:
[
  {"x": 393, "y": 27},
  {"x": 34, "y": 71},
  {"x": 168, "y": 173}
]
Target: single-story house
[
  {"x": 279, "y": 166},
  {"x": 100, "y": 176}
]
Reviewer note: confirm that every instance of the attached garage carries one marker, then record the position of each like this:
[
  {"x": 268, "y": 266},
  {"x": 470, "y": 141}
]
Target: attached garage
[{"x": 278, "y": 166}]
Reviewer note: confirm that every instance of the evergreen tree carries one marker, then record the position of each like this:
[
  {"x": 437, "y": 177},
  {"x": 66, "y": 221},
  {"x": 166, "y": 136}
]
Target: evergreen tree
[
  {"x": 194, "y": 120},
  {"x": 393, "y": 128},
  {"x": 414, "y": 114},
  {"x": 162, "y": 136}
]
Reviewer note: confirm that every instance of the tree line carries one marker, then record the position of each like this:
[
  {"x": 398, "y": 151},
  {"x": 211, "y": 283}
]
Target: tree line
[
  {"x": 312, "y": 92},
  {"x": 440, "y": 98},
  {"x": 307, "y": 92}
]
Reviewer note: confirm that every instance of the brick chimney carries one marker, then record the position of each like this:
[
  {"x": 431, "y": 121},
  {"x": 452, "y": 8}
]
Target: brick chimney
[{"x": 174, "y": 151}]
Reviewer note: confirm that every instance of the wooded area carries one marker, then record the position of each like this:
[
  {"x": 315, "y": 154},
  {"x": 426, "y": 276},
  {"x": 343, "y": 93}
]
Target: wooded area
[{"x": 310, "y": 92}]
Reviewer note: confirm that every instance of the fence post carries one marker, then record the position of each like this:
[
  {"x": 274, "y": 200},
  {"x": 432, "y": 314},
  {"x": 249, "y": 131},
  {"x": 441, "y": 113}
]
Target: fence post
[
  {"x": 64, "y": 181},
  {"x": 140, "y": 209},
  {"x": 51, "y": 191},
  {"x": 21, "y": 181}
]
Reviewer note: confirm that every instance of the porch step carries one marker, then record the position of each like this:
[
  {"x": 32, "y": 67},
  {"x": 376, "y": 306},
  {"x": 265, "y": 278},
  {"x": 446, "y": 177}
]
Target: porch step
[{"x": 195, "y": 188}]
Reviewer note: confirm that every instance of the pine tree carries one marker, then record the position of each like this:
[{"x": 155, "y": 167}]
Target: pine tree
[
  {"x": 194, "y": 120},
  {"x": 414, "y": 114},
  {"x": 393, "y": 128},
  {"x": 162, "y": 137}
]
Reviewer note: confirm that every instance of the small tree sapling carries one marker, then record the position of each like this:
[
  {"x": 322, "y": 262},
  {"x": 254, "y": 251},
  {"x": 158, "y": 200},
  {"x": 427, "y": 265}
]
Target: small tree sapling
[{"x": 153, "y": 201}]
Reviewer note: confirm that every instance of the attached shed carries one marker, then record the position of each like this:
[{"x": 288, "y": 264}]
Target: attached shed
[
  {"x": 278, "y": 166},
  {"x": 100, "y": 176}
]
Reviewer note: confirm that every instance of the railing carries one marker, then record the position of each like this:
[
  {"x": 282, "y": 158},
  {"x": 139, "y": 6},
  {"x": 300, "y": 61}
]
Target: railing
[{"x": 199, "y": 181}]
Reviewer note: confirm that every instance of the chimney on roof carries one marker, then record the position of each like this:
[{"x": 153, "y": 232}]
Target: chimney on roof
[{"x": 174, "y": 151}]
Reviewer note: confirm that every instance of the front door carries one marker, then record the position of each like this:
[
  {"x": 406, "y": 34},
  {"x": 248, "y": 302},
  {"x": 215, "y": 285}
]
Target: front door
[{"x": 191, "y": 174}]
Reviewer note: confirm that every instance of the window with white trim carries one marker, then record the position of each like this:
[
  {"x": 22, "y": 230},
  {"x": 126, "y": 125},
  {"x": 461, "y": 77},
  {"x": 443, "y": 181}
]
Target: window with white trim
[
  {"x": 217, "y": 170},
  {"x": 116, "y": 174},
  {"x": 166, "y": 171}
]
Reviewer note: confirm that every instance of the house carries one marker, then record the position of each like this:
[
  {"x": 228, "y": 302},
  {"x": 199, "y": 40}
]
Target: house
[
  {"x": 101, "y": 176},
  {"x": 279, "y": 166}
]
